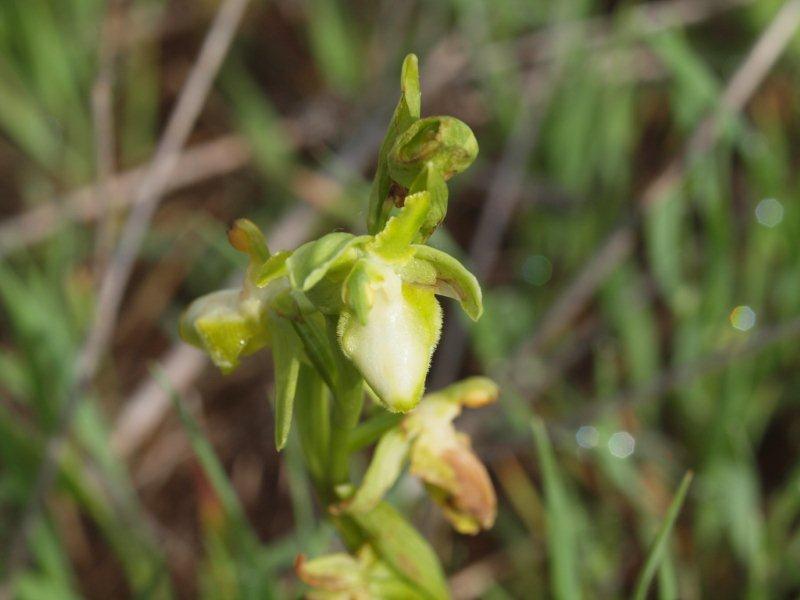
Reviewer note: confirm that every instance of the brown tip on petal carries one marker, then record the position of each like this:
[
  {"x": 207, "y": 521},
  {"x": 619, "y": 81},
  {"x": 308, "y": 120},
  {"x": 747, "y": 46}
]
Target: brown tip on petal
[
  {"x": 473, "y": 493},
  {"x": 238, "y": 238}
]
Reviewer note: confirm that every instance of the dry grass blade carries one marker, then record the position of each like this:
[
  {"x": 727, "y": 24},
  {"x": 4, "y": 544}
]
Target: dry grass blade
[{"x": 150, "y": 191}]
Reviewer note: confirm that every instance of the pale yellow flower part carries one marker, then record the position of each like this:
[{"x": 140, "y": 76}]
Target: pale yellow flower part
[{"x": 443, "y": 458}]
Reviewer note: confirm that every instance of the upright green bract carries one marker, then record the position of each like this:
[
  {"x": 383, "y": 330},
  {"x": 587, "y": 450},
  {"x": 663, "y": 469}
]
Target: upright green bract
[{"x": 344, "y": 312}]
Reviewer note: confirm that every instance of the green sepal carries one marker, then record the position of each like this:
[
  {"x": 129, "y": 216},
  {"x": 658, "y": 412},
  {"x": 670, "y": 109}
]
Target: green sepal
[
  {"x": 445, "y": 142},
  {"x": 431, "y": 180},
  {"x": 245, "y": 236},
  {"x": 273, "y": 268},
  {"x": 310, "y": 262},
  {"x": 286, "y": 353},
  {"x": 406, "y": 112},
  {"x": 394, "y": 241},
  {"x": 453, "y": 279},
  {"x": 216, "y": 324},
  {"x": 384, "y": 469},
  {"x": 403, "y": 549}
]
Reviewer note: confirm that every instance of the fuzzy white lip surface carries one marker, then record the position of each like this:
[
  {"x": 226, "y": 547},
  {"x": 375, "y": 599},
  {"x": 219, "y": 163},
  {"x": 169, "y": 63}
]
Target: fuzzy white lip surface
[{"x": 390, "y": 349}]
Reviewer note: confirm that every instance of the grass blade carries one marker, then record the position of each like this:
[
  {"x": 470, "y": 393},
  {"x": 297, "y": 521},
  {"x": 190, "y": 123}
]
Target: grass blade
[
  {"x": 564, "y": 577},
  {"x": 657, "y": 549}
]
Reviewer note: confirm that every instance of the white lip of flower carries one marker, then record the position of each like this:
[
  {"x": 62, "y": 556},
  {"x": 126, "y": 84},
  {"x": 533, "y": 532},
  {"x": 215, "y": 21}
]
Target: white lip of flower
[{"x": 393, "y": 348}]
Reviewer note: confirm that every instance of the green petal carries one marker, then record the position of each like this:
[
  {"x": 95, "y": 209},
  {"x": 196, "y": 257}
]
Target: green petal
[
  {"x": 453, "y": 280},
  {"x": 445, "y": 142},
  {"x": 394, "y": 242},
  {"x": 310, "y": 262},
  {"x": 406, "y": 112}
]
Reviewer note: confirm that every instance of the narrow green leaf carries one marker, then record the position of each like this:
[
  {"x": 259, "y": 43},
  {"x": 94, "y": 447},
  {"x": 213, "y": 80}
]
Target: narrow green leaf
[
  {"x": 453, "y": 279},
  {"x": 286, "y": 358},
  {"x": 312, "y": 406},
  {"x": 564, "y": 573},
  {"x": 656, "y": 552}
]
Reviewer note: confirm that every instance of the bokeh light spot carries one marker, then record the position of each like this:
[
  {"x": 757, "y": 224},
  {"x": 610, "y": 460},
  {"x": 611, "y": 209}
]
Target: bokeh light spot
[
  {"x": 621, "y": 444},
  {"x": 587, "y": 436},
  {"x": 769, "y": 212},
  {"x": 743, "y": 318},
  {"x": 537, "y": 269}
]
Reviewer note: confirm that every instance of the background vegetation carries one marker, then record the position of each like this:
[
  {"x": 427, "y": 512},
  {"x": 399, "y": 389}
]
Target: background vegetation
[{"x": 633, "y": 217}]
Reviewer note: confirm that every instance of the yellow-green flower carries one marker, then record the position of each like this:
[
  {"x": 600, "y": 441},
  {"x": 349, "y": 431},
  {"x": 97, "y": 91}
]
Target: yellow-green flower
[{"x": 439, "y": 455}]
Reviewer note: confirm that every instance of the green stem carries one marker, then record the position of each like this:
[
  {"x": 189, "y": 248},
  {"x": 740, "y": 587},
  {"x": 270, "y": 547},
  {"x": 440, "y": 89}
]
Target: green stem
[
  {"x": 371, "y": 430},
  {"x": 346, "y": 412}
]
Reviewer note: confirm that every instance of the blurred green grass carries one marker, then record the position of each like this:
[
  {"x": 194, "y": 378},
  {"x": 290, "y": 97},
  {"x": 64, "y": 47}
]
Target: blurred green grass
[{"x": 307, "y": 86}]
